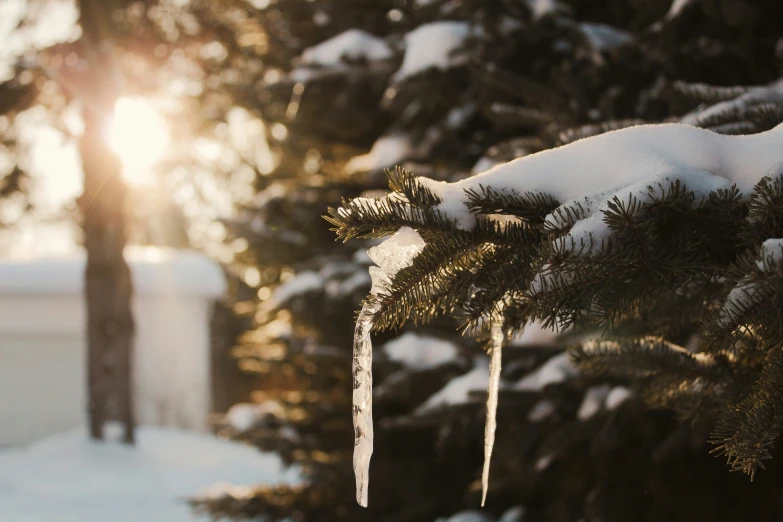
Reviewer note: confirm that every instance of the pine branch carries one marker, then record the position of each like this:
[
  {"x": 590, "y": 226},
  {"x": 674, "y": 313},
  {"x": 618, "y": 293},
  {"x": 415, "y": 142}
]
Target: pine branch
[
  {"x": 765, "y": 210},
  {"x": 754, "y": 302},
  {"x": 447, "y": 272},
  {"x": 404, "y": 182},
  {"x": 705, "y": 93},
  {"x": 750, "y": 429},
  {"x": 643, "y": 357},
  {"x": 531, "y": 207},
  {"x": 374, "y": 218}
]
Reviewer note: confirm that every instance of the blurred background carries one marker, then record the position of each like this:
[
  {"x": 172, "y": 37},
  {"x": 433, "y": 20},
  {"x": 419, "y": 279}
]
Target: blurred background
[{"x": 176, "y": 316}]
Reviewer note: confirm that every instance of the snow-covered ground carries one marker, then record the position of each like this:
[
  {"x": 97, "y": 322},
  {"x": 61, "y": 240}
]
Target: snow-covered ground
[{"x": 68, "y": 478}]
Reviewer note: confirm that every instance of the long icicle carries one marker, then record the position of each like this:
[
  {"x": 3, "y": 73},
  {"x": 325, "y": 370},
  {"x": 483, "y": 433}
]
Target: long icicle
[
  {"x": 362, "y": 403},
  {"x": 496, "y": 347}
]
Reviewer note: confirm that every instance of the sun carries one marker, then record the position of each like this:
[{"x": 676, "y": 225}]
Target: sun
[{"x": 138, "y": 135}]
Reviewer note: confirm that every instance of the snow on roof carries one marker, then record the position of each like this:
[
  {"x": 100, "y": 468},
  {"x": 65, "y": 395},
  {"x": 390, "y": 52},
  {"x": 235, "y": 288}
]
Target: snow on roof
[
  {"x": 69, "y": 478},
  {"x": 155, "y": 270},
  {"x": 353, "y": 44},
  {"x": 432, "y": 46},
  {"x": 420, "y": 352}
]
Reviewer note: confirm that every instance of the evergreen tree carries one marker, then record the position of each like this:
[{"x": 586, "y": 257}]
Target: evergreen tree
[{"x": 446, "y": 89}]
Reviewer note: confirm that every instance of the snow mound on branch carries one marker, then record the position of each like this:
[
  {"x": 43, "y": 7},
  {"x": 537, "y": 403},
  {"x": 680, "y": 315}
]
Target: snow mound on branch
[
  {"x": 604, "y": 37},
  {"x": 457, "y": 391},
  {"x": 244, "y": 416},
  {"x": 771, "y": 248},
  {"x": 593, "y": 228},
  {"x": 766, "y": 94},
  {"x": 534, "y": 333},
  {"x": 541, "y": 8},
  {"x": 513, "y": 514},
  {"x": 676, "y": 8},
  {"x": 592, "y": 402},
  {"x": 349, "y": 285},
  {"x": 557, "y": 369},
  {"x": 620, "y": 163},
  {"x": 617, "y": 396},
  {"x": 386, "y": 151},
  {"x": 331, "y": 278},
  {"x": 301, "y": 283},
  {"x": 394, "y": 254},
  {"x": 353, "y": 44},
  {"x": 432, "y": 46},
  {"x": 540, "y": 411},
  {"x": 69, "y": 478},
  {"x": 467, "y": 516},
  {"x": 483, "y": 164},
  {"x": 419, "y": 352},
  {"x": 747, "y": 293},
  {"x": 596, "y": 399}
]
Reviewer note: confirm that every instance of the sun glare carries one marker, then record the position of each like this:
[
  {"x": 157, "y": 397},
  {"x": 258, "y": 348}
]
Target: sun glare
[{"x": 138, "y": 135}]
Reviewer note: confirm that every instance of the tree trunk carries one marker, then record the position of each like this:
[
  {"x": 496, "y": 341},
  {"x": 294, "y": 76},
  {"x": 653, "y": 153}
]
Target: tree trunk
[{"x": 108, "y": 287}]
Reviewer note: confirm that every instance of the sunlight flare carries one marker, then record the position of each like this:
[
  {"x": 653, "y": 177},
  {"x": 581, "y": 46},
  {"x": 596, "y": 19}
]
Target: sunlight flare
[{"x": 138, "y": 135}]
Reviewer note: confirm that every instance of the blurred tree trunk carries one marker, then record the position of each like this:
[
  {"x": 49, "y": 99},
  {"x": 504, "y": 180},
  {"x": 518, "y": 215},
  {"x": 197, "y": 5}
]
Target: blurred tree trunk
[{"x": 108, "y": 286}]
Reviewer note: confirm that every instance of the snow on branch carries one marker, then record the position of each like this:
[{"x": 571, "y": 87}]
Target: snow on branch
[
  {"x": 734, "y": 110},
  {"x": 624, "y": 161},
  {"x": 353, "y": 44},
  {"x": 431, "y": 46}
]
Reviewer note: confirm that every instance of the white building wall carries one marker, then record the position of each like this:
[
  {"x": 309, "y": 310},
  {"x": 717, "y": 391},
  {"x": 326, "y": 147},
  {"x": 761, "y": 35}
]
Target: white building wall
[{"x": 43, "y": 352}]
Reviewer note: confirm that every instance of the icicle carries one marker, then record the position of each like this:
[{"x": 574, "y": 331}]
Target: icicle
[
  {"x": 392, "y": 255},
  {"x": 496, "y": 347},
  {"x": 362, "y": 403}
]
